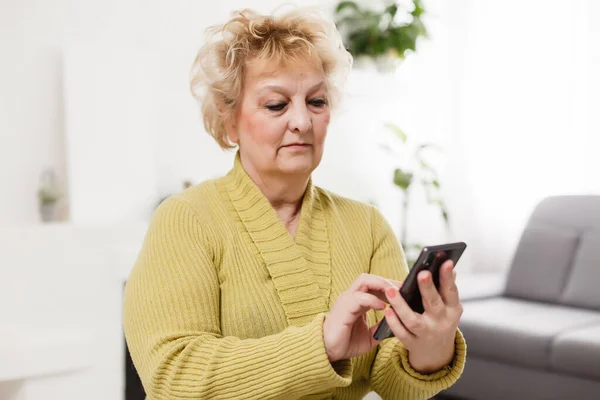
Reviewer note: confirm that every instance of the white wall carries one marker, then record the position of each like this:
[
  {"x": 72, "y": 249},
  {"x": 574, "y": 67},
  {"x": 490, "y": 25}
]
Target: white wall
[
  {"x": 31, "y": 112},
  {"x": 111, "y": 132},
  {"x": 87, "y": 110},
  {"x": 494, "y": 96},
  {"x": 58, "y": 106},
  {"x": 528, "y": 92},
  {"x": 510, "y": 96}
]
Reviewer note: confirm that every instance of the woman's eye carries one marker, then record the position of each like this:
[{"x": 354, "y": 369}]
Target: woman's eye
[
  {"x": 276, "y": 107},
  {"x": 318, "y": 102}
]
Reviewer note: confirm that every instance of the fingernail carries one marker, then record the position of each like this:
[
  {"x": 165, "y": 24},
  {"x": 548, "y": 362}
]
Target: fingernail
[
  {"x": 389, "y": 312},
  {"x": 391, "y": 292}
]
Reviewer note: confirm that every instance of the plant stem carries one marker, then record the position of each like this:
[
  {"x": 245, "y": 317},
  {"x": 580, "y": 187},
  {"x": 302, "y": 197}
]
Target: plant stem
[{"x": 404, "y": 218}]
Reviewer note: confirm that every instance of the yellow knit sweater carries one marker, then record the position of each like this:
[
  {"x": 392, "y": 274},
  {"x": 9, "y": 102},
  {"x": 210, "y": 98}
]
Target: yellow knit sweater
[{"x": 223, "y": 303}]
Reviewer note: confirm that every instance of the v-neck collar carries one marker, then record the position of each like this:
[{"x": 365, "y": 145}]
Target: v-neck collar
[{"x": 300, "y": 267}]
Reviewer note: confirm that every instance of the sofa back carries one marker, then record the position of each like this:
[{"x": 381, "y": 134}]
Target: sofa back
[{"x": 558, "y": 257}]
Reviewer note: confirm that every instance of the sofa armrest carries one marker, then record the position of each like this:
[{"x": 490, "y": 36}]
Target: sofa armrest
[{"x": 480, "y": 285}]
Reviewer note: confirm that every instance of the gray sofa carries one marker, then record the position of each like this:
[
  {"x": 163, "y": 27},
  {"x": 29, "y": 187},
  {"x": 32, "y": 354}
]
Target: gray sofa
[{"x": 540, "y": 339}]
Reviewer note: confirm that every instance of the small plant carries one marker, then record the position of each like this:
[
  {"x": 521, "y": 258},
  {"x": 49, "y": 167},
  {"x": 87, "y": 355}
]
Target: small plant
[
  {"x": 48, "y": 192},
  {"x": 391, "y": 32},
  {"x": 48, "y": 195},
  {"x": 415, "y": 170}
]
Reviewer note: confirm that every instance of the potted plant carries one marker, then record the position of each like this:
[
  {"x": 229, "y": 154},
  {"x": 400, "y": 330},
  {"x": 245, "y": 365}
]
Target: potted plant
[
  {"x": 416, "y": 169},
  {"x": 48, "y": 196},
  {"x": 385, "y": 35}
]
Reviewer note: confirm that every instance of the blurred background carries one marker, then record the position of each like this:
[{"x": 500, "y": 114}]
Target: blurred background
[{"x": 455, "y": 134}]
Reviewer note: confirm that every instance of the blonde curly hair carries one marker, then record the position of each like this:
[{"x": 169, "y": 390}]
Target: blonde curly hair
[{"x": 217, "y": 74}]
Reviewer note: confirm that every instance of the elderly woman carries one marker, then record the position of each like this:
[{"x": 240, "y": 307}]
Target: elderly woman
[{"x": 260, "y": 285}]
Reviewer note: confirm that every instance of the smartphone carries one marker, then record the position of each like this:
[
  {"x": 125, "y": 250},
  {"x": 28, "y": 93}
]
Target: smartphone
[{"x": 430, "y": 259}]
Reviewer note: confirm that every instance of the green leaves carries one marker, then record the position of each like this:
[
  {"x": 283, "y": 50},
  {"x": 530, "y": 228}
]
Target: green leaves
[
  {"x": 399, "y": 132},
  {"x": 375, "y": 34},
  {"x": 391, "y": 10},
  {"x": 342, "y": 5},
  {"x": 443, "y": 210},
  {"x": 445, "y": 216},
  {"x": 402, "y": 179},
  {"x": 419, "y": 10},
  {"x": 416, "y": 168}
]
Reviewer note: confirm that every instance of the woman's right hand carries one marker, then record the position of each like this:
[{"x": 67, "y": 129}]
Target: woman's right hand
[{"x": 345, "y": 330}]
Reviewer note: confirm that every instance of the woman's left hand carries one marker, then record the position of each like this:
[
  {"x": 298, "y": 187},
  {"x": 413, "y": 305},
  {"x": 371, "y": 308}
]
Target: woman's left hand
[{"x": 428, "y": 337}]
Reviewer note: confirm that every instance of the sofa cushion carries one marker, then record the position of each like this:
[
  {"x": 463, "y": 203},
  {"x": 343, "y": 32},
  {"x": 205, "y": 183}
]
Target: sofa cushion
[
  {"x": 579, "y": 212},
  {"x": 581, "y": 289},
  {"x": 541, "y": 262},
  {"x": 578, "y": 352},
  {"x": 518, "y": 331}
]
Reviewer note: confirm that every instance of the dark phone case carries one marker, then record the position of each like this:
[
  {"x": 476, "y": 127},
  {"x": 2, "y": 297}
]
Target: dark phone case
[{"x": 430, "y": 259}]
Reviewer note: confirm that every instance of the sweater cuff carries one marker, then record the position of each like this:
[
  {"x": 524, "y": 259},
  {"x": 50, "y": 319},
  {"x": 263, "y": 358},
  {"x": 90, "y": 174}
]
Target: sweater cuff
[
  {"x": 338, "y": 373},
  {"x": 451, "y": 371}
]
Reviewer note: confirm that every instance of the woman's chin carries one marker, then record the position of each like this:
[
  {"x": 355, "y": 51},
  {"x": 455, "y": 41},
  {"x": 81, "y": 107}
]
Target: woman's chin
[{"x": 298, "y": 166}]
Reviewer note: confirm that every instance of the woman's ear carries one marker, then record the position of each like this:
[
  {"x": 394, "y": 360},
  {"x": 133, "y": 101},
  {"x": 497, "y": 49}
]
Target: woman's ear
[
  {"x": 231, "y": 129},
  {"x": 229, "y": 123}
]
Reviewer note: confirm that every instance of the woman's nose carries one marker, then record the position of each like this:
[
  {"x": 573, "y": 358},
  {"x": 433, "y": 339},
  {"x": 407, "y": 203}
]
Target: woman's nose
[{"x": 300, "y": 119}]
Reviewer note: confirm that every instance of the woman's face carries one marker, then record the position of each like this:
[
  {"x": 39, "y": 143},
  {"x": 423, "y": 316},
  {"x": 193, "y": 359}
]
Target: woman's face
[{"x": 282, "y": 120}]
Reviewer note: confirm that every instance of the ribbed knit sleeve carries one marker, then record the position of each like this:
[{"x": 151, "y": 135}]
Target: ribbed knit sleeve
[
  {"x": 172, "y": 326},
  {"x": 392, "y": 377}
]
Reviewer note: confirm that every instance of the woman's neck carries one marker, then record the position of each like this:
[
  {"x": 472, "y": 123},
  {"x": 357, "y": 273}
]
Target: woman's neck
[
  {"x": 285, "y": 193},
  {"x": 286, "y": 198}
]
